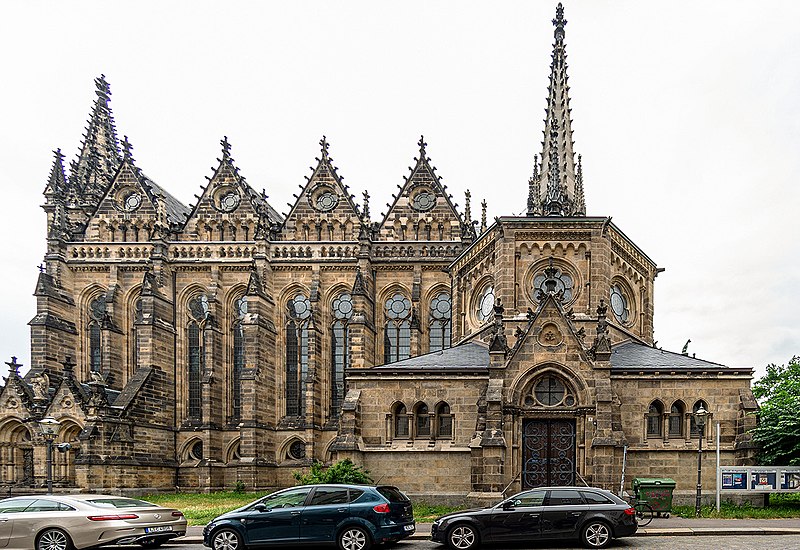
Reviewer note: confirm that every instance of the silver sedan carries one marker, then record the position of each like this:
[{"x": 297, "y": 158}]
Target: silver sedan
[{"x": 72, "y": 522}]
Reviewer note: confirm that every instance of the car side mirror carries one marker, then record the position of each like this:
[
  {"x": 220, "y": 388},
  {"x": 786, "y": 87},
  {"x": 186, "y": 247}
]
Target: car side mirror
[
  {"x": 508, "y": 505},
  {"x": 260, "y": 507}
]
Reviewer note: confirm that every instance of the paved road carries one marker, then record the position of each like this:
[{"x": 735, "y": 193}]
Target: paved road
[{"x": 742, "y": 542}]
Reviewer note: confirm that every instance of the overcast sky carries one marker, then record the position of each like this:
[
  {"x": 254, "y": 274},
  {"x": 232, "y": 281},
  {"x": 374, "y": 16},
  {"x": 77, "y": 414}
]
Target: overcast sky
[{"x": 686, "y": 114}]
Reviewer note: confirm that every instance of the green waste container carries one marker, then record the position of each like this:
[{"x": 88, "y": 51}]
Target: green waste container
[{"x": 655, "y": 491}]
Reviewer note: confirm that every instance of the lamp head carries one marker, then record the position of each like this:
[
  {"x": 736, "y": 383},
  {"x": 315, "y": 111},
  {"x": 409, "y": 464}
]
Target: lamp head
[
  {"x": 49, "y": 427},
  {"x": 700, "y": 417}
]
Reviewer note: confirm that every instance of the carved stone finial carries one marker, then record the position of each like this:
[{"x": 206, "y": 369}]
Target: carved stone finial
[
  {"x": 467, "y": 206},
  {"x": 559, "y": 22},
  {"x": 13, "y": 366},
  {"x": 254, "y": 287},
  {"x": 323, "y": 143},
  {"x": 127, "y": 149},
  {"x": 226, "y": 148},
  {"x": 483, "y": 216},
  {"x": 365, "y": 214},
  {"x": 498, "y": 341},
  {"x": 422, "y": 146}
]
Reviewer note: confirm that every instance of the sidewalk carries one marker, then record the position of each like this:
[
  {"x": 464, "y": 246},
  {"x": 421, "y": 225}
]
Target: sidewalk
[{"x": 659, "y": 527}]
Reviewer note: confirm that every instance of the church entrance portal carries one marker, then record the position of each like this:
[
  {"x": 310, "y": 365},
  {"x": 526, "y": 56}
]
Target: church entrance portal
[{"x": 548, "y": 452}]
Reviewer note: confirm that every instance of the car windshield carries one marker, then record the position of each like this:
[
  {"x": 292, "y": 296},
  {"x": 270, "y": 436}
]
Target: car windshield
[
  {"x": 393, "y": 494},
  {"x": 119, "y": 503}
]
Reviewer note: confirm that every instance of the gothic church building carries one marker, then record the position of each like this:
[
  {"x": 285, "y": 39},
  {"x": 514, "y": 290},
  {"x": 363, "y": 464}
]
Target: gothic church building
[{"x": 197, "y": 346}]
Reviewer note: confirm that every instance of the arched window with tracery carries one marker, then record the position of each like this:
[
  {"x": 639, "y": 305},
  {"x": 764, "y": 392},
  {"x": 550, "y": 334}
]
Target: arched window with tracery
[
  {"x": 422, "y": 421},
  {"x": 676, "y": 420},
  {"x": 136, "y": 344},
  {"x": 444, "y": 421},
  {"x": 97, "y": 311},
  {"x": 299, "y": 314},
  {"x": 655, "y": 419},
  {"x": 239, "y": 311},
  {"x": 440, "y": 322},
  {"x": 484, "y": 306},
  {"x": 198, "y": 314},
  {"x": 340, "y": 349},
  {"x": 397, "y": 337},
  {"x": 400, "y": 421}
]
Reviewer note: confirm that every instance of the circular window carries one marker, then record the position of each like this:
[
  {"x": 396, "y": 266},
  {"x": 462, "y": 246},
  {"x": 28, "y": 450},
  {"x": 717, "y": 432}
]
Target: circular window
[
  {"x": 441, "y": 306},
  {"x": 423, "y": 201},
  {"x": 549, "y": 391},
  {"x": 485, "y": 304},
  {"x": 229, "y": 201},
  {"x": 559, "y": 281},
  {"x": 398, "y": 307},
  {"x": 297, "y": 450},
  {"x": 326, "y": 201},
  {"x": 343, "y": 307},
  {"x": 300, "y": 307},
  {"x": 198, "y": 307},
  {"x": 196, "y": 452},
  {"x": 619, "y": 304},
  {"x": 132, "y": 201}
]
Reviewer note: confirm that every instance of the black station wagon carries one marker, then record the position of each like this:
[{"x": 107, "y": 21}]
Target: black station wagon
[
  {"x": 351, "y": 516},
  {"x": 593, "y": 515}
]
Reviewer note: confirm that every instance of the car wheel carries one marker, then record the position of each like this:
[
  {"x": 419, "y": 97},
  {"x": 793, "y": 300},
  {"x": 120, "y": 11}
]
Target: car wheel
[
  {"x": 354, "y": 538},
  {"x": 53, "y": 539},
  {"x": 226, "y": 539},
  {"x": 462, "y": 536},
  {"x": 596, "y": 534}
]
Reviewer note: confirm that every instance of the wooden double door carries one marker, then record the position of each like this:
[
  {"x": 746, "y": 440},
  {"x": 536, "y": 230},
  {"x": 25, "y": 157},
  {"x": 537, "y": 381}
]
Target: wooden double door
[{"x": 548, "y": 452}]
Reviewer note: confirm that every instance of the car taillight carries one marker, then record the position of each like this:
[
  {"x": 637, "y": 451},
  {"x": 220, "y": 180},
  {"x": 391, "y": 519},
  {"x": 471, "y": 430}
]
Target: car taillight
[
  {"x": 630, "y": 511},
  {"x": 177, "y": 514},
  {"x": 111, "y": 517},
  {"x": 382, "y": 508}
]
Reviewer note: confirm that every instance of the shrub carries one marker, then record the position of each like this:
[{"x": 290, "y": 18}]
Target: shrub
[
  {"x": 343, "y": 471},
  {"x": 238, "y": 487}
]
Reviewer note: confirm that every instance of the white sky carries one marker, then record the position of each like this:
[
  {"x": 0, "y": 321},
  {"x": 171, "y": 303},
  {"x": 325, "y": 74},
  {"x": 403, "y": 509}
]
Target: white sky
[{"x": 685, "y": 112}]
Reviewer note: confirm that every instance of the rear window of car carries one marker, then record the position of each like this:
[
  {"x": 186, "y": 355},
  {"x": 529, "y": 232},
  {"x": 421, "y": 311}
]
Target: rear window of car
[
  {"x": 393, "y": 494},
  {"x": 44, "y": 505},
  {"x": 119, "y": 503},
  {"x": 355, "y": 494},
  {"x": 596, "y": 498},
  {"x": 328, "y": 495}
]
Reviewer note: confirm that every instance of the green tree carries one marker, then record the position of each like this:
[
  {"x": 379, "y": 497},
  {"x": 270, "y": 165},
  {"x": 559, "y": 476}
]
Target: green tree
[
  {"x": 343, "y": 471},
  {"x": 778, "y": 431}
]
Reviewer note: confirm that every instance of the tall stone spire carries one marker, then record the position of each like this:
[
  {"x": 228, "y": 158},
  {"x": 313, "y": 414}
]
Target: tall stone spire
[
  {"x": 99, "y": 156},
  {"x": 557, "y": 183}
]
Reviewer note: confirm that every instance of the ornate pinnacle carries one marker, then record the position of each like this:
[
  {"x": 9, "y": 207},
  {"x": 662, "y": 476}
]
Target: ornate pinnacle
[
  {"x": 483, "y": 216},
  {"x": 127, "y": 149},
  {"x": 324, "y": 144},
  {"x": 422, "y": 146},
  {"x": 467, "y": 207},
  {"x": 559, "y": 22},
  {"x": 103, "y": 89},
  {"x": 366, "y": 206},
  {"x": 13, "y": 366},
  {"x": 226, "y": 148},
  {"x": 533, "y": 188},
  {"x": 580, "y": 200}
]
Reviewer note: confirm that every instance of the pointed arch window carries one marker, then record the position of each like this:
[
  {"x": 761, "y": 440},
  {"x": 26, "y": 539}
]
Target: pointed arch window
[
  {"x": 136, "y": 344},
  {"x": 655, "y": 419},
  {"x": 400, "y": 421},
  {"x": 299, "y": 315},
  {"x": 422, "y": 421},
  {"x": 198, "y": 315},
  {"x": 97, "y": 311},
  {"x": 397, "y": 338},
  {"x": 340, "y": 349},
  {"x": 676, "y": 420},
  {"x": 239, "y": 311},
  {"x": 444, "y": 421},
  {"x": 440, "y": 322}
]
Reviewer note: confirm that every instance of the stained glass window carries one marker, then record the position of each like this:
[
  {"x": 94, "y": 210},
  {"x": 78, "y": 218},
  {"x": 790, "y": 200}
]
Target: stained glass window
[
  {"x": 619, "y": 304},
  {"x": 97, "y": 310},
  {"x": 299, "y": 312},
  {"x": 397, "y": 338},
  {"x": 198, "y": 313},
  {"x": 563, "y": 283},
  {"x": 440, "y": 321},
  {"x": 240, "y": 310},
  {"x": 340, "y": 349},
  {"x": 485, "y": 304}
]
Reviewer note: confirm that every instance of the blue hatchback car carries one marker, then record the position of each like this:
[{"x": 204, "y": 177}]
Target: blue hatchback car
[{"x": 351, "y": 516}]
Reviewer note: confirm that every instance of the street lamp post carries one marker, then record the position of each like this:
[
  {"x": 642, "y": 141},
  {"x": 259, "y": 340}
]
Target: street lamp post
[
  {"x": 699, "y": 421},
  {"x": 49, "y": 427}
]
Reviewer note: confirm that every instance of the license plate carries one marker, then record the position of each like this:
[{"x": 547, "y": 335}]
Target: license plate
[
  {"x": 158, "y": 529},
  {"x": 408, "y": 527}
]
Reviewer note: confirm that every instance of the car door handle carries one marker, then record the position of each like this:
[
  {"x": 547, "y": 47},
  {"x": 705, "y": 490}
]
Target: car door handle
[
  {"x": 576, "y": 514},
  {"x": 534, "y": 515},
  {"x": 3, "y": 520},
  {"x": 341, "y": 509},
  {"x": 295, "y": 513}
]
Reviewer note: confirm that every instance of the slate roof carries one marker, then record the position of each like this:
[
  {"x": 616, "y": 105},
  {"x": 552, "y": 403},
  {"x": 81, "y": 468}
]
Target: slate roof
[
  {"x": 632, "y": 355},
  {"x": 469, "y": 356},
  {"x": 177, "y": 212}
]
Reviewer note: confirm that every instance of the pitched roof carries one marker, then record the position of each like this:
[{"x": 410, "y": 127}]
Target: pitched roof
[
  {"x": 632, "y": 355},
  {"x": 469, "y": 356}
]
